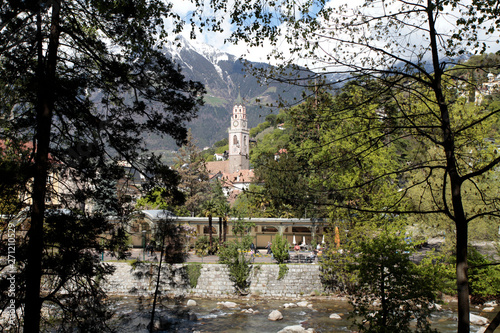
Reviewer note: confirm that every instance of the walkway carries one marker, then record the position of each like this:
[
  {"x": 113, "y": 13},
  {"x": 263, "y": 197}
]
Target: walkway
[{"x": 137, "y": 253}]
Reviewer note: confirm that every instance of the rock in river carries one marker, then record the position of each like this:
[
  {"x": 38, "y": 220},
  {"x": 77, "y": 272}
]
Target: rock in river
[{"x": 275, "y": 315}]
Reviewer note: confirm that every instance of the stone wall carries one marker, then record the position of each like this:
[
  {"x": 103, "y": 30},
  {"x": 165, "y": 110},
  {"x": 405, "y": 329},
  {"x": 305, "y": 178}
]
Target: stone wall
[{"x": 214, "y": 281}]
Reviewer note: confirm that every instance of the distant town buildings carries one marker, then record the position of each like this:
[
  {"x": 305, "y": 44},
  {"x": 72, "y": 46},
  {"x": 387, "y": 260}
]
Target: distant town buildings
[{"x": 491, "y": 86}]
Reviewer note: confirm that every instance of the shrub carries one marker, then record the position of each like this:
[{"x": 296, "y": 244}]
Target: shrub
[
  {"x": 233, "y": 255},
  {"x": 484, "y": 277},
  {"x": 202, "y": 246},
  {"x": 194, "y": 272},
  {"x": 280, "y": 248},
  {"x": 283, "y": 270}
]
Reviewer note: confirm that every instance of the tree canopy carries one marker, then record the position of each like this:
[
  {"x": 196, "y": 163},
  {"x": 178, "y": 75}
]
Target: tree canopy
[
  {"x": 83, "y": 81},
  {"x": 406, "y": 52}
]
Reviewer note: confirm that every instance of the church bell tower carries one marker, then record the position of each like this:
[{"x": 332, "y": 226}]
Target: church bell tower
[{"x": 239, "y": 139}]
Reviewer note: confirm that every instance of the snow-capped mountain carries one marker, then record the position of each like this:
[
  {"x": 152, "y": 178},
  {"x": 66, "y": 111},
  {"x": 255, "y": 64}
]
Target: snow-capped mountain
[{"x": 224, "y": 78}]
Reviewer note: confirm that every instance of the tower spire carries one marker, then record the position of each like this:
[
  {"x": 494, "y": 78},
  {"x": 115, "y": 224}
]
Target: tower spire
[{"x": 239, "y": 100}]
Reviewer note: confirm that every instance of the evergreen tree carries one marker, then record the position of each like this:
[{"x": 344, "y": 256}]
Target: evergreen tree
[
  {"x": 84, "y": 81},
  {"x": 194, "y": 182}
]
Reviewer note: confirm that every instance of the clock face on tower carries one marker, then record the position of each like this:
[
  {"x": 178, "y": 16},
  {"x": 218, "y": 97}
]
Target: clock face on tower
[{"x": 235, "y": 123}]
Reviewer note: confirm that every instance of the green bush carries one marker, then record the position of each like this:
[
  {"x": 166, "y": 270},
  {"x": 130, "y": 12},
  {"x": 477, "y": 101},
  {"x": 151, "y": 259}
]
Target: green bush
[
  {"x": 335, "y": 273},
  {"x": 280, "y": 248},
  {"x": 484, "y": 278},
  {"x": 202, "y": 246},
  {"x": 283, "y": 270},
  {"x": 194, "y": 272},
  {"x": 233, "y": 255}
]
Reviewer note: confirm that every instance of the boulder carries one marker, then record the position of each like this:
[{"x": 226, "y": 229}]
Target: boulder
[
  {"x": 228, "y": 304},
  {"x": 335, "y": 316},
  {"x": 478, "y": 320},
  {"x": 275, "y": 315},
  {"x": 491, "y": 303},
  {"x": 290, "y": 305},
  {"x": 436, "y": 306},
  {"x": 303, "y": 304},
  {"x": 296, "y": 329},
  {"x": 191, "y": 302}
]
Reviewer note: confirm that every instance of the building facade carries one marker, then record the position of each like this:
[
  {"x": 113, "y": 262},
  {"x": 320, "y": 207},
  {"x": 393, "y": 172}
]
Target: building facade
[{"x": 297, "y": 231}]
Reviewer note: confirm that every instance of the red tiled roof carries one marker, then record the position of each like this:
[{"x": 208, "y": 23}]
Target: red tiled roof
[
  {"x": 214, "y": 168},
  {"x": 221, "y": 169}
]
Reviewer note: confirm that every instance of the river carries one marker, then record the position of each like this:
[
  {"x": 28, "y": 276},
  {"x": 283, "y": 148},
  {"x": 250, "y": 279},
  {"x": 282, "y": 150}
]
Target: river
[{"x": 133, "y": 315}]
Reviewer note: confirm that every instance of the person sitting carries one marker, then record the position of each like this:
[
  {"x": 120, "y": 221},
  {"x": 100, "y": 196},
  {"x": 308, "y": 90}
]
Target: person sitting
[{"x": 297, "y": 248}]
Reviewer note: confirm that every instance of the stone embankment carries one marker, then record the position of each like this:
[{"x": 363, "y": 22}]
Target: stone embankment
[{"x": 214, "y": 281}]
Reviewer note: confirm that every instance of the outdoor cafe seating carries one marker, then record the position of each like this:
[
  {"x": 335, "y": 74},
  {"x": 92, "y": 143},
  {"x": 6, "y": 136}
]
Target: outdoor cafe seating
[{"x": 301, "y": 258}]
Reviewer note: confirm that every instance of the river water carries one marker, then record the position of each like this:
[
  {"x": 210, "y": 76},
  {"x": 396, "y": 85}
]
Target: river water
[{"x": 133, "y": 315}]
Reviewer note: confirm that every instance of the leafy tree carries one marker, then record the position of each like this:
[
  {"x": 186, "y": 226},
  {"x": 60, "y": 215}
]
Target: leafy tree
[
  {"x": 164, "y": 194},
  {"x": 171, "y": 244},
  {"x": 84, "y": 81},
  {"x": 254, "y": 131},
  {"x": 484, "y": 275},
  {"x": 388, "y": 277},
  {"x": 251, "y": 203},
  {"x": 221, "y": 143},
  {"x": 284, "y": 184},
  {"x": 280, "y": 248},
  {"x": 404, "y": 50},
  {"x": 233, "y": 255},
  {"x": 336, "y": 274},
  {"x": 202, "y": 247}
]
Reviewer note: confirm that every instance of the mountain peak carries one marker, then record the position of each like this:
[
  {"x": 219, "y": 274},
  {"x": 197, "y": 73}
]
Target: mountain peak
[{"x": 182, "y": 45}]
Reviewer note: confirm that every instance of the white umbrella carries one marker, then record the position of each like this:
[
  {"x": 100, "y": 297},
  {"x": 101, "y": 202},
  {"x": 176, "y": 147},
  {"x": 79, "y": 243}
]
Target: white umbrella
[
  {"x": 323, "y": 241},
  {"x": 294, "y": 242},
  {"x": 303, "y": 240}
]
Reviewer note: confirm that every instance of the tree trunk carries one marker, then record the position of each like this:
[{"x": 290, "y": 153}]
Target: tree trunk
[
  {"x": 462, "y": 278},
  {"x": 448, "y": 144},
  {"x": 44, "y": 108},
  {"x": 225, "y": 229},
  {"x": 210, "y": 232},
  {"x": 220, "y": 230},
  {"x": 151, "y": 323}
]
